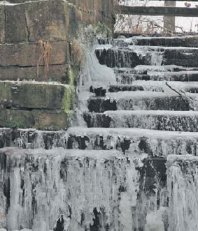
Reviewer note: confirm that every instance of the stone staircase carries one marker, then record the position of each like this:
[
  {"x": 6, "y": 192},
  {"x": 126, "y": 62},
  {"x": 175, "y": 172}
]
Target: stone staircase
[{"x": 112, "y": 174}]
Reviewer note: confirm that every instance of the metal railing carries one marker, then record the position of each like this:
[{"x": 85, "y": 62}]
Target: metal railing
[{"x": 169, "y": 11}]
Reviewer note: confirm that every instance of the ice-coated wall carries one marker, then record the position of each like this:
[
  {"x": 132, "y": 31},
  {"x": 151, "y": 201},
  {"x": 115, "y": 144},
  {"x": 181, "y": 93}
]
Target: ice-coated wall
[
  {"x": 78, "y": 190},
  {"x": 183, "y": 192}
]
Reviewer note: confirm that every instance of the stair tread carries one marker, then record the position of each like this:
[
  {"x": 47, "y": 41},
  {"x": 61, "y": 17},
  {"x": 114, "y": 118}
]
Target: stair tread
[
  {"x": 156, "y": 86},
  {"x": 144, "y": 47},
  {"x": 152, "y": 112},
  {"x": 82, "y": 131},
  {"x": 144, "y": 94},
  {"x": 187, "y": 40},
  {"x": 164, "y": 68},
  {"x": 18, "y": 153},
  {"x": 146, "y": 119}
]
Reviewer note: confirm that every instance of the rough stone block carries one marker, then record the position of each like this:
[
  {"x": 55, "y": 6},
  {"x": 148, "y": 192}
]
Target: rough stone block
[
  {"x": 39, "y": 119},
  {"x": 15, "y": 24},
  {"x": 35, "y": 20},
  {"x": 56, "y": 73},
  {"x": 31, "y": 54},
  {"x": 34, "y": 95},
  {"x": 46, "y": 20}
]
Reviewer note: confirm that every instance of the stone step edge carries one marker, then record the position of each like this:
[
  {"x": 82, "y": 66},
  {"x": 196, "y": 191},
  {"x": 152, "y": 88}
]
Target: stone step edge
[
  {"x": 131, "y": 132},
  {"x": 127, "y": 132},
  {"x": 18, "y": 153}
]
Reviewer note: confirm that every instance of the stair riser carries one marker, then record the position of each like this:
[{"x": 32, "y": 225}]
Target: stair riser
[
  {"x": 155, "y": 122},
  {"x": 137, "y": 144},
  {"x": 128, "y": 79},
  {"x": 32, "y": 139},
  {"x": 164, "y": 103},
  {"x": 182, "y": 185},
  {"x": 132, "y": 58}
]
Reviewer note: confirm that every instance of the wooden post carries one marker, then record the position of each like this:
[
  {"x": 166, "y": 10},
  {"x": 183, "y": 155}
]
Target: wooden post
[{"x": 169, "y": 21}]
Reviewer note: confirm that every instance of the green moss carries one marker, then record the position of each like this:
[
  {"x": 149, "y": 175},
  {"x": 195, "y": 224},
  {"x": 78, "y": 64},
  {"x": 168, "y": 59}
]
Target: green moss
[
  {"x": 69, "y": 93},
  {"x": 68, "y": 99},
  {"x": 71, "y": 76}
]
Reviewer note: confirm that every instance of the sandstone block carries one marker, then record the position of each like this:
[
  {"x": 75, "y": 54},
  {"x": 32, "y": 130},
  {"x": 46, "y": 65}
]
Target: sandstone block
[
  {"x": 39, "y": 119},
  {"x": 30, "y": 95}
]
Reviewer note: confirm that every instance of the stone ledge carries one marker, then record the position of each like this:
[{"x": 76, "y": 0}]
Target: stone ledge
[
  {"x": 34, "y": 95},
  {"x": 39, "y": 119}
]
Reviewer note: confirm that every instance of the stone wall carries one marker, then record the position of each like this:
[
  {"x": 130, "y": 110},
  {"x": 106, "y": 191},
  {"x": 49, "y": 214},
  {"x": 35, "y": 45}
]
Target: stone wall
[
  {"x": 23, "y": 24},
  {"x": 39, "y": 40}
]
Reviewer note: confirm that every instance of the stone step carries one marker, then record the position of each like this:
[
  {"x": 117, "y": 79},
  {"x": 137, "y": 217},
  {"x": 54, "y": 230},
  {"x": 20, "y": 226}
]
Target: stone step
[
  {"x": 184, "y": 76},
  {"x": 39, "y": 119},
  {"x": 182, "y": 41},
  {"x": 151, "y": 142},
  {"x": 144, "y": 69},
  {"x": 143, "y": 85},
  {"x": 141, "y": 100},
  {"x": 133, "y": 56},
  {"x": 35, "y": 95},
  {"x": 186, "y": 121},
  {"x": 32, "y": 138},
  {"x": 102, "y": 90},
  {"x": 156, "y": 86}
]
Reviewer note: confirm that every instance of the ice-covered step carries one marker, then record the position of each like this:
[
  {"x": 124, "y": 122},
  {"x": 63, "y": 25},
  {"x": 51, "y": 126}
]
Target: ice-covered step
[
  {"x": 101, "y": 91},
  {"x": 141, "y": 100},
  {"x": 133, "y": 56},
  {"x": 185, "y": 76},
  {"x": 166, "y": 86},
  {"x": 182, "y": 180},
  {"x": 144, "y": 69},
  {"x": 40, "y": 189},
  {"x": 182, "y": 41},
  {"x": 32, "y": 138},
  {"x": 133, "y": 140},
  {"x": 157, "y": 120},
  {"x": 157, "y": 86},
  {"x": 135, "y": 87}
]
